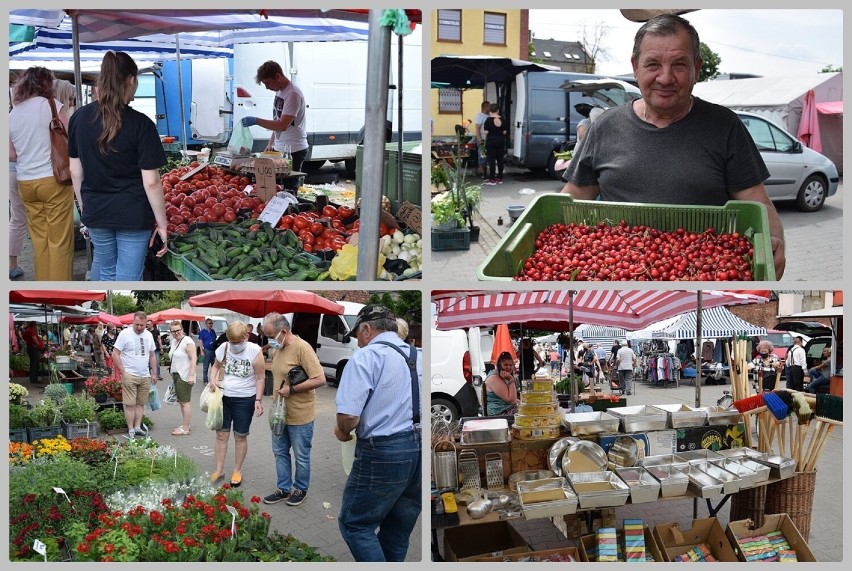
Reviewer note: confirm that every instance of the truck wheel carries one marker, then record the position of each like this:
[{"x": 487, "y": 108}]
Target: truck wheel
[
  {"x": 338, "y": 373},
  {"x": 443, "y": 409}
]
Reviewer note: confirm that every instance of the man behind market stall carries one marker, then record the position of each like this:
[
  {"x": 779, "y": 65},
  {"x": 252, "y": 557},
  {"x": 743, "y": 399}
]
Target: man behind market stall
[
  {"x": 301, "y": 401},
  {"x": 671, "y": 147},
  {"x": 134, "y": 358},
  {"x": 379, "y": 398},
  {"x": 288, "y": 117}
]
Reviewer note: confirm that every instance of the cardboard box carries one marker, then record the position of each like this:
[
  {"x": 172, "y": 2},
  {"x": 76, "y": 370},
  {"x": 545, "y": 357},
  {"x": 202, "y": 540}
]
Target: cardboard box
[
  {"x": 674, "y": 541},
  {"x": 588, "y": 545},
  {"x": 574, "y": 526},
  {"x": 654, "y": 443},
  {"x": 471, "y": 542},
  {"x": 737, "y": 530},
  {"x": 563, "y": 553},
  {"x": 411, "y": 216},
  {"x": 714, "y": 438},
  {"x": 530, "y": 454}
]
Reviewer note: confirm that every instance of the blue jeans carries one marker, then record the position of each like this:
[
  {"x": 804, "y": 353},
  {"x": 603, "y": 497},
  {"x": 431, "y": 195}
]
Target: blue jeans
[
  {"x": 209, "y": 358},
  {"x": 299, "y": 439},
  {"x": 383, "y": 491},
  {"x": 119, "y": 255},
  {"x": 817, "y": 380},
  {"x": 238, "y": 410}
]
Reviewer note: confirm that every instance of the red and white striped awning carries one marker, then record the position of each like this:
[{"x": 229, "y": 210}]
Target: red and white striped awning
[{"x": 550, "y": 310}]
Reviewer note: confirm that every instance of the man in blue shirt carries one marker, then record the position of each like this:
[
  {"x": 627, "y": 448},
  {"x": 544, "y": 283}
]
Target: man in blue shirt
[
  {"x": 208, "y": 349},
  {"x": 379, "y": 398}
]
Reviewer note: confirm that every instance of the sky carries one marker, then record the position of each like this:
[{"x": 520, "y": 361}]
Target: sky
[{"x": 761, "y": 42}]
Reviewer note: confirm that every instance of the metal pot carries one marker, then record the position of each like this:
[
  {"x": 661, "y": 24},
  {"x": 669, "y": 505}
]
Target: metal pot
[{"x": 479, "y": 508}]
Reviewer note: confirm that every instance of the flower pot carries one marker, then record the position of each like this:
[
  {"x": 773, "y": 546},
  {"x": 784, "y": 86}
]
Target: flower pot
[
  {"x": 100, "y": 399},
  {"x": 69, "y": 387},
  {"x": 474, "y": 233}
]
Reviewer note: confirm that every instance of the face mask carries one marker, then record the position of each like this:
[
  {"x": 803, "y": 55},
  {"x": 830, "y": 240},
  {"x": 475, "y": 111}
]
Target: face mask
[
  {"x": 274, "y": 343},
  {"x": 238, "y": 348},
  {"x": 764, "y": 355}
]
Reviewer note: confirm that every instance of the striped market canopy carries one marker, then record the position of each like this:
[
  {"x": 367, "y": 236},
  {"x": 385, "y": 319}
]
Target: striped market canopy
[
  {"x": 715, "y": 322},
  {"x": 599, "y": 334}
]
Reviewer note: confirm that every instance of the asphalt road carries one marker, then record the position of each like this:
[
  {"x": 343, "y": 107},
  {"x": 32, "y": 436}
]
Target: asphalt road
[{"x": 814, "y": 251}]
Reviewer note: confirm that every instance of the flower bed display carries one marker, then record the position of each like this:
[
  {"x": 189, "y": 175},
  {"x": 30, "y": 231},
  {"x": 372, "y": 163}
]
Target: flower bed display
[{"x": 132, "y": 501}]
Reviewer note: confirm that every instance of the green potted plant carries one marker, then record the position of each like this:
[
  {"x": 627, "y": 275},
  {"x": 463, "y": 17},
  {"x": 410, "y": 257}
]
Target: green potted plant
[
  {"x": 18, "y": 418},
  {"x": 112, "y": 421},
  {"x": 17, "y": 394},
  {"x": 446, "y": 212},
  {"x": 55, "y": 392},
  {"x": 79, "y": 417},
  {"x": 19, "y": 364},
  {"x": 44, "y": 420}
]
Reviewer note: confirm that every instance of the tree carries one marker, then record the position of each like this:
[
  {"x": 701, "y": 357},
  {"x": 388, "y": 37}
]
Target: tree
[
  {"x": 123, "y": 304},
  {"x": 831, "y": 69},
  {"x": 404, "y": 304},
  {"x": 143, "y": 296},
  {"x": 531, "y": 54},
  {"x": 592, "y": 41},
  {"x": 710, "y": 63},
  {"x": 167, "y": 300}
]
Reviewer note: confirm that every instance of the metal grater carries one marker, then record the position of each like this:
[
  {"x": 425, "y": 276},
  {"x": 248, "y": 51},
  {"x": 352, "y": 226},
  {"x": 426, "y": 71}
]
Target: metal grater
[
  {"x": 469, "y": 470},
  {"x": 445, "y": 466},
  {"x": 494, "y": 471}
]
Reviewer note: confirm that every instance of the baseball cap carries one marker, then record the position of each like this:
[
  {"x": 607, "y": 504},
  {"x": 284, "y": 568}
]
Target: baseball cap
[{"x": 372, "y": 313}]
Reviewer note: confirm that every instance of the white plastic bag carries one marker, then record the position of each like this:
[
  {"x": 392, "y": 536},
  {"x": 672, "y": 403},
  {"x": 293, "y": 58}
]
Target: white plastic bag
[
  {"x": 205, "y": 397},
  {"x": 154, "y": 398},
  {"x": 215, "y": 411},
  {"x": 347, "y": 451},
  {"x": 241, "y": 140}
]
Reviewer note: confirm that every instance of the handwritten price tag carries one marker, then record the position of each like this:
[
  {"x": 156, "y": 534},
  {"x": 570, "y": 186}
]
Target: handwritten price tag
[
  {"x": 264, "y": 178},
  {"x": 40, "y": 548},
  {"x": 273, "y": 211},
  {"x": 233, "y": 511}
]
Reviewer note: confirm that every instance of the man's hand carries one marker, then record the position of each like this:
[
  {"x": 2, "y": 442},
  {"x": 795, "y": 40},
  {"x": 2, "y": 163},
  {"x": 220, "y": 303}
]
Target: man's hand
[
  {"x": 249, "y": 121},
  {"x": 340, "y": 435},
  {"x": 779, "y": 256}
]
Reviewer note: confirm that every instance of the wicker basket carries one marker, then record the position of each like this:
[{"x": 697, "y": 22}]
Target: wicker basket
[
  {"x": 749, "y": 504},
  {"x": 795, "y": 497}
]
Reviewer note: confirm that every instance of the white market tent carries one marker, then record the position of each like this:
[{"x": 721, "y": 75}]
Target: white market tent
[
  {"x": 716, "y": 322},
  {"x": 599, "y": 334},
  {"x": 781, "y": 99}
]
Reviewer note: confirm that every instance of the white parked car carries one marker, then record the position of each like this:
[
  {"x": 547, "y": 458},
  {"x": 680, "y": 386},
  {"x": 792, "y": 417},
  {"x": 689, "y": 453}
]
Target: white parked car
[
  {"x": 795, "y": 171},
  {"x": 457, "y": 369}
]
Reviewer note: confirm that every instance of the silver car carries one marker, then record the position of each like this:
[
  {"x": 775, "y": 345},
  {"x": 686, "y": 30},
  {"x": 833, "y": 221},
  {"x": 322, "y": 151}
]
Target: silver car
[{"x": 795, "y": 171}]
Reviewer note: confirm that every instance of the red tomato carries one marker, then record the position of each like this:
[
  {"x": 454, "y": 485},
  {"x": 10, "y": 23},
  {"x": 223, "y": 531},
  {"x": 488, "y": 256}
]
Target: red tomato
[
  {"x": 337, "y": 224},
  {"x": 193, "y": 164},
  {"x": 306, "y": 237},
  {"x": 181, "y": 229},
  {"x": 210, "y": 215},
  {"x": 383, "y": 229},
  {"x": 198, "y": 211},
  {"x": 244, "y": 181},
  {"x": 176, "y": 200},
  {"x": 300, "y": 222},
  {"x": 219, "y": 209},
  {"x": 174, "y": 179},
  {"x": 229, "y": 216},
  {"x": 345, "y": 212},
  {"x": 329, "y": 233},
  {"x": 189, "y": 202},
  {"x": 329, "y": 210},
  {"x": 288, "y": 219},
  {"x": 254, "y": 228},
  {"x": 170, "y": 228},
  {"x": 317, "y": 228},
  {"x": 210, "y": 202},
  {"x": 171, "y": 211}
]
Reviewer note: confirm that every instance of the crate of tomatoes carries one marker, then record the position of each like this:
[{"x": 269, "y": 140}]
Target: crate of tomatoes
[
  {"x": 561, "y": 239},
  {"x": 323, "y": 232}
]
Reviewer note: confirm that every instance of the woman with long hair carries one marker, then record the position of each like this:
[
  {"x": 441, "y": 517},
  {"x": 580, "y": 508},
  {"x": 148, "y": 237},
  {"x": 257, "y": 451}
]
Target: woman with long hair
[
  {"x": 49, "y": 205},
  {"x": 115, "y": 156},
  {"x": 501, "y": 390}
]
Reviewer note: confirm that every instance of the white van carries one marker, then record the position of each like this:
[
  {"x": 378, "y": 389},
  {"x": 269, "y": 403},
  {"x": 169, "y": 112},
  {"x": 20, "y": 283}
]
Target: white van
[
  {"x": 330, "y": 336},
  {"x": 457, "y": 370}
]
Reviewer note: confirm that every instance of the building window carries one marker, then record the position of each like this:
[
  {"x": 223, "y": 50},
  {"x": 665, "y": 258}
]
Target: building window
[
  {"x": 495, "y": 29},
  {"x": 449, "y": 101},
  {"x": 449, "y": 25}
]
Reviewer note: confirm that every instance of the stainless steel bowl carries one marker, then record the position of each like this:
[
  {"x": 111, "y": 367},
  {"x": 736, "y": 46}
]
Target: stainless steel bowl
[
  {"x": 624, "y": 453},
  {"x": 583, "y": 456}
]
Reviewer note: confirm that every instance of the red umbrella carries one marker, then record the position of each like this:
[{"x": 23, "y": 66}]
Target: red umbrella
[
  {"x": 809, "y": 123},
  {"x": 502, "y": 342},
  {"x": 175, "y": 314},
  {"x": 57, "y": 297},
  {"x": 126, "y": 319},
  {"x": 101, "y": 317},
  {"x": 259, "y": 303}
]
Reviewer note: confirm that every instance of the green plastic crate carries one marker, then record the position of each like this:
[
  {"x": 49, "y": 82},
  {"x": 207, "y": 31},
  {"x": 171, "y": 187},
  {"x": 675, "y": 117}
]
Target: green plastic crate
[
  {"x": 412, "y": 173},
  {"x": 174, "y": 262},
  {"x": 451, "y": 239},
  {"x": 735, "y": 216}
]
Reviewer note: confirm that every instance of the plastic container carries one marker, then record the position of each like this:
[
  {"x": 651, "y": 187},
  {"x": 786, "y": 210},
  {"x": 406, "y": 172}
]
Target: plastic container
[
  {"x": 530, "y": 397},
  {"x": 540, "y": 409},
  {"x": 735, "y": 216},
  {"x": 527, "y": 421},
  {"x": 412, "y": 172},
  {"x": 543, "y": 433},
  {"x": 537, "y": 385},
  {"x": 458, "y": 239},
  {"x": 347, "y": 453}
]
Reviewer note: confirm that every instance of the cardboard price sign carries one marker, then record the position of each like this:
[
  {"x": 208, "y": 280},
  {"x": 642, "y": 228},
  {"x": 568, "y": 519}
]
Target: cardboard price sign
[
  {"x": 274, "y": 210},
  {"x": 264, "y": 178}
]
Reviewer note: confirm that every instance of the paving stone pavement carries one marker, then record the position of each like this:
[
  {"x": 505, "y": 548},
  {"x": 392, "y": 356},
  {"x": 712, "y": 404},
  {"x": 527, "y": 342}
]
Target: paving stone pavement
[
  {"x": 826, "y": 535},
  {"x": 311, "y": 522}
]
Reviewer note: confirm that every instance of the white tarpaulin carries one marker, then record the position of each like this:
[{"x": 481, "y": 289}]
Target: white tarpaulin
[
  {"x": 781, "y": 99},
  {"x": 715, "y": 322}
]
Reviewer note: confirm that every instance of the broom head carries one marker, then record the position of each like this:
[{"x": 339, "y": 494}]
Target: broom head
[
  {"x": 829, "y": 406},
  {"x": 749, "y": 403},
  {"x": 803, "y": 410},
  {"x": 776, "y": 405}
]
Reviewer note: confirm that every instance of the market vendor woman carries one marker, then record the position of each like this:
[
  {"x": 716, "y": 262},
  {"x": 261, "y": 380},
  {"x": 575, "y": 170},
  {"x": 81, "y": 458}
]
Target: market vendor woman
[
  {"x": 115, "y": 153},
  {"x": 288, "y": 116},
  {"x": 766, "y": 365},
  {"x": 501, "y": 390}
]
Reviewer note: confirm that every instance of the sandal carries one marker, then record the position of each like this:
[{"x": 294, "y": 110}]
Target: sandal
[
  {"x": 215, "y": 477},
  {"x": 181, "y": 431},
  {"x": 236, "y": 479}
]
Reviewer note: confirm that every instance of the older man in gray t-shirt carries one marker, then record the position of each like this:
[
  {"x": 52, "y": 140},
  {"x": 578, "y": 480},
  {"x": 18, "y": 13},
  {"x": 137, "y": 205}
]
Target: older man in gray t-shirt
[{"x": 624, "y": 362}]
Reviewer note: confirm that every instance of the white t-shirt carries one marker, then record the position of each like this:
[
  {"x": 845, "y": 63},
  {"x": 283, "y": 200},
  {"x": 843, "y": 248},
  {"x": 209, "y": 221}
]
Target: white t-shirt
[
  {"x": 179, "y": 359},
  {"x": 290, "y": 101},
  {"x": 479, "y": 120},
  {"x": 28, "y": 129},
  {"x": 625, "y": 356},
  {"x": 136, "y": 351},
  {"x": 240, "y": 380}
]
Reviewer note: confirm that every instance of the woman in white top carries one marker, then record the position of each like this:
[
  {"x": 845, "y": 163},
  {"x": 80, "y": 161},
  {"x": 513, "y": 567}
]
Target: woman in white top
[
  {"x": 244, "y": 376},
  {"x": 182, "y": 357},
  {"x": 49, "y": 204}
]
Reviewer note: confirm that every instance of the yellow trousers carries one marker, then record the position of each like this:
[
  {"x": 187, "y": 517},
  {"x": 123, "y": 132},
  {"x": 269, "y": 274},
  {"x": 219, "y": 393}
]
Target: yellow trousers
[{"x": 50, "y": 218}]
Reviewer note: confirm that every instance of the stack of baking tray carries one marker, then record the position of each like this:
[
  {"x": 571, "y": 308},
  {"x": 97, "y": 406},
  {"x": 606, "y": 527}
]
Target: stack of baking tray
[
  {"x": 588, "y": 423},
  {"x": 700, "y": 455},
  {"x": 485, "y": 431},
  {"x": 703, "y": 484},
  {"x": 644, "y": 487},
  {"x": 718, "y": 416},
  {"x": 751, "y": 473},
  {"x": 546, "y": 497},
  {"x": 599, "y": 489},
  {"x": 641, "y": 418},
  {"x": 673, "y": 479},
  {"x": 682, "y": 415},
  {"x": 730, "y": 482}
]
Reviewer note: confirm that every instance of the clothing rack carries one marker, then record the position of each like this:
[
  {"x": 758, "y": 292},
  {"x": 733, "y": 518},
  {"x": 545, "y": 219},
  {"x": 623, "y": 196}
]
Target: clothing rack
[{"x": 659, "y": 368}]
